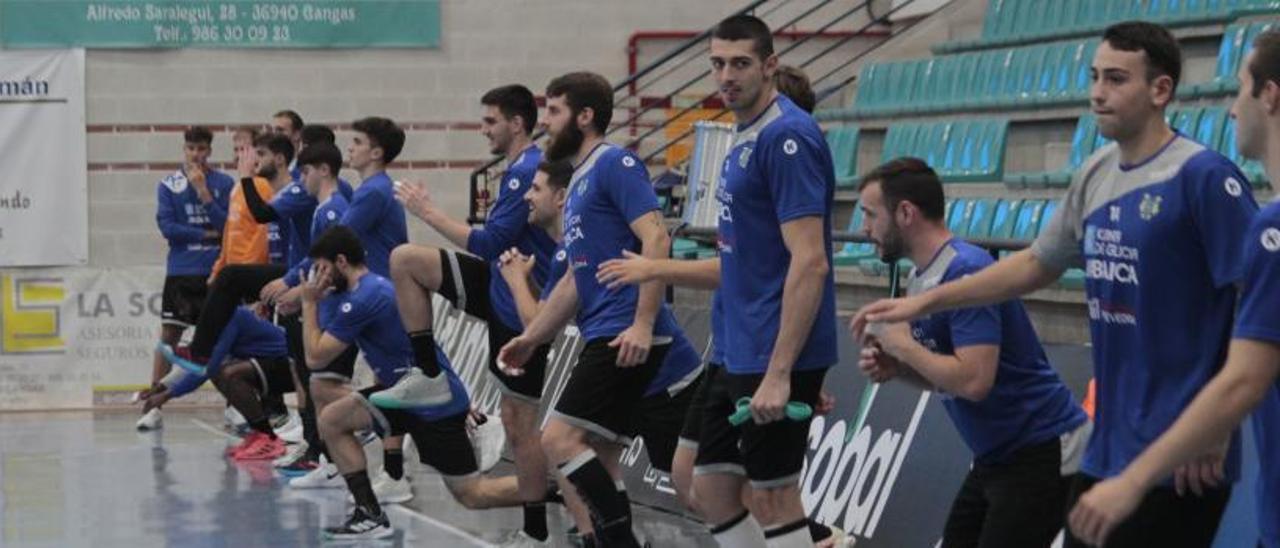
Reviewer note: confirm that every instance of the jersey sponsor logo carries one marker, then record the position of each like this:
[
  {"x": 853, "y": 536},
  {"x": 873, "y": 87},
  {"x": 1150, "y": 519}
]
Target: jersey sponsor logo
[
  {"x": 572, "y": 229},
  {"x": 1233, "y": 187},
  {"x": 790, "y": 147},
  {"x": 513, "y": 184},
  {"x": 1150, "y": 206},
  {"x": 1271, "y": 239},
  {"x": 1111, "y": 314},
  {"x": 1106, "y": 242},
  {"x": 346, "y": 308},
  {"x": 725, "y": 199},
  {"x": 1111, "y": 271}
]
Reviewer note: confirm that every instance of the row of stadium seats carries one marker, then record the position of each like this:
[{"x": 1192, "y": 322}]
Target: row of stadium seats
[
  {"x": 977, "y": 218},
  {"x": 1037, "y": 76},
  {"x": 1013, "y": 22},
  {"x": 1211, "y": 126}
]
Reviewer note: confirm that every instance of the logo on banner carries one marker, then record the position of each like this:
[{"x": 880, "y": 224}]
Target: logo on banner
[{"x": 30, "y": 315}]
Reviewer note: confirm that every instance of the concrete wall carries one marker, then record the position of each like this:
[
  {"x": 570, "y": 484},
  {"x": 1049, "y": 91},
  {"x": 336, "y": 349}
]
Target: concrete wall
[{"x": 139, "y": 101}]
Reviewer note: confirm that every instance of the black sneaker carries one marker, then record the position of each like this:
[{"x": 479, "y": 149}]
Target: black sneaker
[{"x": 361, "y": 526}]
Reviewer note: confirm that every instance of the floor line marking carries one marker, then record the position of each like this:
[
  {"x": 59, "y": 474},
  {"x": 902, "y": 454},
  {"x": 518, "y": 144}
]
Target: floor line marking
[
  {"x": 475, "y": 541},
  {"x": 215, "y": 430}
]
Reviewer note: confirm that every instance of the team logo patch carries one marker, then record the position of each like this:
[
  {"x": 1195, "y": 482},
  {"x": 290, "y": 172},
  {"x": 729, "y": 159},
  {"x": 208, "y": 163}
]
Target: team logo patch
[
  {"x": 296, "y": 189},
  {"x": 582, "y": 186},
  {"x": 560, "y": 255},
  {"x": 346, "y": 307},
  {"x": 513, "y": 184},
  {"x": 1271, "y": 239},
  {"x": 176, "y": 183},
  {"x": 790, "y": 147},
  {"x": 628, "y": 161},
  {"x": 1150, "y": 206},
  {"x": 332, "y": 215},
  {"x": 1233, "y": 187},
  {"x": 744, "y": 157}
]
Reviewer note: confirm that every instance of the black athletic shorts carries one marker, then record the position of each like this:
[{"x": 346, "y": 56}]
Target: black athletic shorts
[
  {"x": 341, "y": 368},
  {"x": 605, "y": 399},
  {"x": 1163, "y": 518},
  {"x": 660, "y": 419},
  {"x": 183, "y": 299},
  {"x": 472, "y": 297},
  {"x": 275, "y": 375},
  {"x": 691, "y": 431},
  {"x": 769, "y": 455},
  {"x": 442, "y": 444}
]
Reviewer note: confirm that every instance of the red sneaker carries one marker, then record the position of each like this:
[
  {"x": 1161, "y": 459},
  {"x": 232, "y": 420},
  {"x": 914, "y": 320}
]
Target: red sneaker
[
  {"x": 267, "y": 448},
  {"x": 248, "y": 442}
]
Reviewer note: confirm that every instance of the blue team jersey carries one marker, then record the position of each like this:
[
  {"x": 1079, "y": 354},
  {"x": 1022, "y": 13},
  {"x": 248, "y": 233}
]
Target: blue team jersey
[
  {"x": 508, "y": 226},
  {"x": 778, "y": 170},
  {"x": 1160, "y": 243},
  {"x": 378, "y": 219},
  {"x": 1028, "y": 403},
  {"x": 183, "y": 220},
  {"x": 717, "y": 330},
  {"x": 278, "y": 242},
  {"x": 328, "y": 214},
  {"x": 556, "y": 270},
  {"x": 1259, "y": 319},
  {"x": 367, "y": 317},
  {"x": 609, "y": 190},
  {"x": 247, "y": 336},
  {"x": 295, "y": 208}
]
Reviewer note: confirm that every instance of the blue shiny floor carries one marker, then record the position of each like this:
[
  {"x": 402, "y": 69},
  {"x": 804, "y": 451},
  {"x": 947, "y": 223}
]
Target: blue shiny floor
[{"x": 89, "y": 479}]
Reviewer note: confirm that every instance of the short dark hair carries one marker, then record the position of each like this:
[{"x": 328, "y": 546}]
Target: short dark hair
[
  {"x": 746, "y": 27},
  {"x": 909, "y": 179},
  {"x": 277, "y": 144},
  {"x": 586, "y": 90},
  {"x": 384, "y": 134},
  {"x": 559, "y": 172},
  {"x": 338, "y": 240},
  {"x": 198, "y": 134},
  {"x": 295, "y": 119},
  {"x": 1164, "y": 57},
  {"x": 1265, "y": 66},
  {"x": 514, "y": 100},
  {"x": 321, "y": 154},
  {"x": 794, "y": 83},
  {"x": 251, "y": 131},
  {"x": 317, "y": 133}
]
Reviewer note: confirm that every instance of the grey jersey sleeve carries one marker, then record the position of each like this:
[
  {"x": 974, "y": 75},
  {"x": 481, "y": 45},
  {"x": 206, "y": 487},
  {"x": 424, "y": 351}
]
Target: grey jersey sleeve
[{"x": 1058, "y": 245}]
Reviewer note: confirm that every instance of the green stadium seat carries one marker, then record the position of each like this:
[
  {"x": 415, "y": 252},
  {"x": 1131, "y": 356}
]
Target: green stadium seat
[
  {"x": 1252, "y": 169},
  {"x": 843, "y": 142},
  {"x": 980, "y": 216},
  {"x": 1003, "y": 217},
  {"x": 1212, "y": 122},
  {"x": 851, "y": 253},
  {"x": 959, "y": 216}
]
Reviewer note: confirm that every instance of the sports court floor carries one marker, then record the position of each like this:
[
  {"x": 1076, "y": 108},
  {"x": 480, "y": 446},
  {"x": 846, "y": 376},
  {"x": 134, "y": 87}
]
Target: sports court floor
[{"x": 89, "y": 479}]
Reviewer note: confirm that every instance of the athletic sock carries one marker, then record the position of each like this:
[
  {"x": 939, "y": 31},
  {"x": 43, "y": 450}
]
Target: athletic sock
[
  {"x": 818, "y": 532},
  {"x": 740, "y": 532},
  {"x": 424, "y": 351},
  {"x": 610, "y": 508},
  {"x": 791, "y": 535},
  {"x": 310, "y": 431},
  {"x": 535, "y": 520},
  {"x": 393, "y": 463},
  {"x": 362, "y": 492}
]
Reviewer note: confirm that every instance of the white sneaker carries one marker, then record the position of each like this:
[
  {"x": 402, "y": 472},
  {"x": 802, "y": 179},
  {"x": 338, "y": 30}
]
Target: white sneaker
[
  {"x": 838, "y": 539},
  {"x": 415, "y": 389},
  {"x": 292, "y": 452},
  {"x": 151, "y": 420},
  {"x": 489, "y": 439},
  {"x": 389, "y": 491},
  {"x": 325, "y": 476},
  {"x": 289, "y": 428},
  {"x": 232, "y": 419},
  {"x": 521, "y": 539}
]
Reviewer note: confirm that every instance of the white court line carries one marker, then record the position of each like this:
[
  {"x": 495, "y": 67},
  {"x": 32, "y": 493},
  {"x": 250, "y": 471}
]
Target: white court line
[
  {"x": 475, "y": 541},
  {"x": 210, "y": 428}
]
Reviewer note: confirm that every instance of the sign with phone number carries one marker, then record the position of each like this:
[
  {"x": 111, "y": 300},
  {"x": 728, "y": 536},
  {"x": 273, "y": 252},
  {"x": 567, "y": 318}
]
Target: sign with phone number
[{"x": 224, "y": 24}]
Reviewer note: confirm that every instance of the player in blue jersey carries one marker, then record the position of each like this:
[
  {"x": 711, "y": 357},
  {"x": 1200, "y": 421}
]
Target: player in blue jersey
[
  {"x": 252, "y": 368},
  {"x": 344, "y": 304},
  {"x": 1248, "y": 381},
  {"x": 1026, "y": 432},
  {"x": 776, "y": 298},
  {"x": 191, "y": 209},
  {"x": 666, "y": 401},
  {"x": 1158, "y": 222},
  {"x": 611, "y": 207},
  {"x": 472, "y": 282}
]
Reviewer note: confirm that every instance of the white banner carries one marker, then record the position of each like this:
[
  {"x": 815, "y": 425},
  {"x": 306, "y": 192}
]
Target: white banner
[{"x": 44, "y": 212}]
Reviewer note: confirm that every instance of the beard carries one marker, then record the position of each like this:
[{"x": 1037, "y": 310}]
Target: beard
[
  {"x": 565, "y": 144},
  {"x": 267, "y": 171},
  {"x": 892, "y": 247}
]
